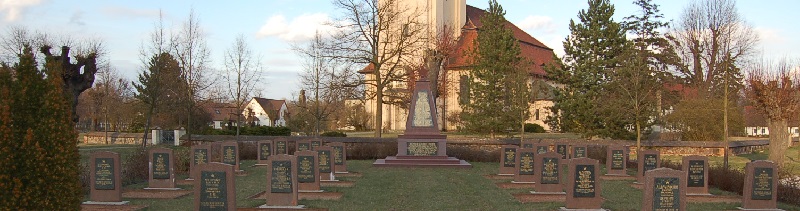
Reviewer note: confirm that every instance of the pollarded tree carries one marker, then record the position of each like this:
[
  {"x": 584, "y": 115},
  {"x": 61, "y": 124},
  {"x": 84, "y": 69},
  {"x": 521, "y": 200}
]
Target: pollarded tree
[
  {"x": 498, "y": 89},
  {"x": 775, "y": 91}
]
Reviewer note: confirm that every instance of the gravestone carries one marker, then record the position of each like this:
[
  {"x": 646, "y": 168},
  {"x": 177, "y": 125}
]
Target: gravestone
[
  {"x": 562, "y": 148},
  {"x": 230, "y": 154},
  {"x": 525, "y": 161},
  {"x": 339, "y": 157},
  {"x": 215, "y": 188},
  {"x": 583, "y": 186},
  {"x": 542, "y": 148},
  {"x": 579, "y": 151},
  {"x": 200, "y": 154},
  {"x": 162, "y": 169},
  {"x": 508, "y": 159},
  {"x": 281, "y": 146},
  {"x": 315, "y": 143},
  {"x": 326, "y": 166},
  {"x": 647, "y": 160},
  {"x": 616, "y": 164},
  {"x": 760, "y": 186},
  {"x": 216, "y": 152},
  {"x": 696, "y": 169},
  {"x": 527, "y": 144},
  {"x": 106, "y": 186},
  {"x": 307, "y": 171},
  {"x": 282, "y": 181},
  {"x": 548, "y": 178},
  {"x": 664, "y": 190},
  {"x": 422, "y": 144},
  {"x": 302, "y": 145},
  {"x": 265, "y": 149}
]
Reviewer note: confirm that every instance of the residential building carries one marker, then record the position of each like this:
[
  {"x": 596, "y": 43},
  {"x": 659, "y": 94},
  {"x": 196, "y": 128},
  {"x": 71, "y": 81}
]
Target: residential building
[{"x": 265, "y": 112}]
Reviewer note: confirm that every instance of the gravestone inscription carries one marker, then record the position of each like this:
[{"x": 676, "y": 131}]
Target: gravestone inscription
[
  {"x": 508, "y": 158},
  {"x": 265, "y": 149},
  {"x": 664, "y": 190}
]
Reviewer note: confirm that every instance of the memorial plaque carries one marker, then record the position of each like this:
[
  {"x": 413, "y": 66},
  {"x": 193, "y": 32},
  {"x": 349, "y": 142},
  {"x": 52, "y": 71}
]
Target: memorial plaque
[
  {"x": 215, "y": 187},
  {"x": 579, "y": 151},
  {"x": 104, "y": 174},
  {"x": 161, "y": 166},
  {"x": 213, "y": 190},
  {"x": 696, "y": 173},
  {"x": 541, "y": 149},
  {"x": 229, "y": 155},
  {"x": 280, "y": 147},
  {"x": 550, "y": 171},
  {"x": 526, "y": 163},
  {"x": 315, "y": 143},
  {"x": 200, "y": 154},
  {"x": 422, "y": 148},
  {"x": 650, "y": 162},
  {"x": 509, "y": 157},
  {"x": 338, "y": 156},
  {"x": 762, "y": 184},
  {"x": 617, "y": 159},
  {"x": 302, "y": 146},
  {"x": 305, "y": 169},
  {"x": 584, "y": 181},
  {"x": 666, "y": 194},
  {"x": 562, "y": 149},
  {"x": 324, "y": 161},
  {"x": 646, "y": 160},
  {"x": 281, "y": 177},
  {"x": 264, "y": 150},
  {"x": 527, "y": 144}
]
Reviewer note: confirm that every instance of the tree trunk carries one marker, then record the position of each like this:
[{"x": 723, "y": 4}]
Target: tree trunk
[
  {"x": 638, "y": 136},
  {"x": 378, "y": 109},
  {"x": 778, "y": 136},
  {"x": 147, "y": 126}
]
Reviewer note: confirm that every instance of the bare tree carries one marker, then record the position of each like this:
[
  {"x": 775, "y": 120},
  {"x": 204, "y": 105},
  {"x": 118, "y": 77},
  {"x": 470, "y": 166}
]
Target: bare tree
[
  {"x": 193, "y": 56},
  {"x": 775, "y": 91},
  {"x": 242, "y": 72},
  {"x": 385, "y": 36}
]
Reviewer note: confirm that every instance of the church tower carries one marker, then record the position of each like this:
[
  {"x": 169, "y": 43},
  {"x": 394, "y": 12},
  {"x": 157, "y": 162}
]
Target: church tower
[{"x": 438, "y": 14}]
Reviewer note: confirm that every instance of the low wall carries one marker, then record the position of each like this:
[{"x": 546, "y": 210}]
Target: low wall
[{"x": 113, "y": 138}]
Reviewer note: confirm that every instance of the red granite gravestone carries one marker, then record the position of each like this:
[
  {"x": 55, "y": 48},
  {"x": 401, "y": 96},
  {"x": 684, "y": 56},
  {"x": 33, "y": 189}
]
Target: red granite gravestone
[
  {"x": 265, "y": 149},
  {"x": 525, "y": 161},
  {"x": 105, "y": 178},
  {"x": 282, "y": 181},
  {"x": 200, "y": 154},
  {"x": 302, "y": 145},
  {"x": 760, "y": 186},
  {"x": 326, "y": 166},
  {"x": 563, "y": 149},
  {"x": 664, "y": 190},
  {"x": 281, "y": 146},
  {"x": 616, "y": 164},
  {"x": 230, "y": 154},
  {"x": 548, "y": 178},
  {"x": 579, "y": 151},
  {"x": 339, "y": 157},
  {"x": 508, "y": 158},
  {"x": 215, "y": 188},
  {"x": 583, "y": 185},
  {"x": 307, "y": 171},
  {"x": 216, "y": 152},
  {"x": 647, "y": 160},
  {"x": 542, "y": 148},
  {"x": 315, "y": 143},
  {"x": 696, "y": 169},
  {"x": 527, "y": 144},
  {"x": 422, "y": 145},
  {"x": 162, "y": 169}
]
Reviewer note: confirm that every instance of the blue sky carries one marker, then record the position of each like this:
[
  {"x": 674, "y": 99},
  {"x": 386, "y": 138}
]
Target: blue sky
[{"x": 271, "y": 26}]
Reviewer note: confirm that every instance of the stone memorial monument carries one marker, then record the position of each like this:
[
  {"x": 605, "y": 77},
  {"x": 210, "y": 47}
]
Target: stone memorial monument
[
  {"x": 508, "y": 159},
  {"x": 282, "y": 181},
  {"x": 696, "y": 170},
  {"x": 281, "y": 146},
  {"x": 616, "y": 164},
  {"x": 307, "y": 171},
  {"x": 339, "y": 157},
  {"x": 302, "y": 145},
  {"x": 647, "y": 160},
  {"x": 579, "y": 151},
  {"x": 548, "y": 174},
  {"x": 315, "y": 143},
  {"x": 105, "y": 186},
  {"x": 200, "y": 154},
  {"x": 760, "y": 186},
  {"x": 162, "y": 169},
  {"x": 583, "y": 186},
  {"x": 230, "y": 154},
  {"x": 664, "y": 190},
  {"x": 525, "y": 161},
  {"x": 215, "y": 187},
  {"x": 326, "y": 166},
  {"x": 542, "y": 148},
  {"x": 422, "y": 144},
  {"x": 265, "y": 149},
  {"x": 562, "y": 149}
]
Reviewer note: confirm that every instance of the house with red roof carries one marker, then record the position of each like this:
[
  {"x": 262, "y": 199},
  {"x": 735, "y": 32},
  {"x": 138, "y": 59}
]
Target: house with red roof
[{"x": 265, "y": 112}]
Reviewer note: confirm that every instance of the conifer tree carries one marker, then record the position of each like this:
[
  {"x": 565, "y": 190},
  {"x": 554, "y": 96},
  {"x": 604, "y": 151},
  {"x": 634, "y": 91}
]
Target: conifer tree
[
  {"x": 498, "y": 87},
  {"x": 591, "y": 53},
  {"x": 38, "y": 144}
]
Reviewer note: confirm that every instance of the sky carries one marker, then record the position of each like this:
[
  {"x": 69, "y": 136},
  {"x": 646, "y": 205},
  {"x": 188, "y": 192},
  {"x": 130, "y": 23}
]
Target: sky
[{"x": 271, "y": 27}]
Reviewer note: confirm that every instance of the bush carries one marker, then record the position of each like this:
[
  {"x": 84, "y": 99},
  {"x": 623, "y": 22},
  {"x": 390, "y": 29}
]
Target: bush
[
  {"x": 181, "y": 159},
  {"x": 333, "y": 134},
  {"x": 251, "y": 131},
  {"x": 533, "y": 128},
  {"x": 136, "y": 167},
  {"x": 248, "y": 150}
]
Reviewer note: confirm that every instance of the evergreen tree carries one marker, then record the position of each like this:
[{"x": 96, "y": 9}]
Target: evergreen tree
[
  {"x": 498, "y": 87},
  {"x": 38, "y": 144},
  {"x": 591, "y": 54},
  {"x": 161, "y": 79}
]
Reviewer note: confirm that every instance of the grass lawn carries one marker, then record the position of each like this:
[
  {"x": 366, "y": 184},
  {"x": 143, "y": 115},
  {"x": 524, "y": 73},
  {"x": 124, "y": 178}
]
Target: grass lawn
[
  {"x": 456, "y": 135},
  {"x": 737, "y": 162}
]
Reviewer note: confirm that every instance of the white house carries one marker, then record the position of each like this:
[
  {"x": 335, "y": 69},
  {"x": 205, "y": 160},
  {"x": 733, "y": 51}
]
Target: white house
[
  {"x": 266, "y": 112},
  {"x": 223, "y": 115}
]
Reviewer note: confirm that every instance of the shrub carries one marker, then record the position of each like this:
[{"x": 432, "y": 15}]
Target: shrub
[
  {"x": 333, "y": 134},
  {"x": 533, "y": 128},
  {"x": 252, "y": 131},
  {"x": 136, "y": 167},
  {"x": 181, "y": 159},
  {"x": 248, "y": 150}
]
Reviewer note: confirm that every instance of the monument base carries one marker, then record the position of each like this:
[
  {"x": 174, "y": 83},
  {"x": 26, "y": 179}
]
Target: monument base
[{"x": 421, "y": 161}]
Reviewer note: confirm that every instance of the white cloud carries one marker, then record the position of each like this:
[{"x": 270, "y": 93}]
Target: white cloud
[
  {"x": 769, "y": 35},
  {"x": 538, "y": 23},
  {"x": 131, "y": 12},
  {"x": 13, "y": 8},
  {"x": 300, "y": 28}
]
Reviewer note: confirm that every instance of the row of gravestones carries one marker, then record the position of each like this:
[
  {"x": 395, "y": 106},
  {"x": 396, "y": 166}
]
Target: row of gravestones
[
  {"x": 665, "y": 189},
  {"x": 288, "y": 174}
]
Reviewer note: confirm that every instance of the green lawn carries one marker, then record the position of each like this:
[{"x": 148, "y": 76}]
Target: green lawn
[
  {"x": 457, "y": 135},
  {"x": 737, "y": 162}
]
